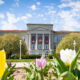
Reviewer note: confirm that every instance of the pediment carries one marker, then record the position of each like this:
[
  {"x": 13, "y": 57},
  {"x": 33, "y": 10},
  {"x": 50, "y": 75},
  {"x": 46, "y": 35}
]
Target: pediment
[{"x": 40, "y": 29}]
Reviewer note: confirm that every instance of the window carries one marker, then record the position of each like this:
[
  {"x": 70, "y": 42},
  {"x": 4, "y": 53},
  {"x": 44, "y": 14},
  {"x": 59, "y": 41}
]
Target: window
[
  {"x": 46, "y": 41},
  {"x": 33, "y": 40},
  {"x": 33, "y": 52},
  {"x": 54, "y": 46},
  {"x": 33, "y": 46},
  {"x": 40, "y": 52},
  {"x": 39, "y": 46},
  {"x": 46, "y": 46},
  {"x": 61, "y": 37},
  {"x": 39, "y": 41},
  {"x": 55, "y": 39},
  {"x": 46, "y": 54}
]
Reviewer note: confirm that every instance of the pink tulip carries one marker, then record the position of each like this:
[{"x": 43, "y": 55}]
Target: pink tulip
[
  {"x": 9, "y": 63},
  {"x": 59, "y": 56},
  {"x": 41, "y": 63}
]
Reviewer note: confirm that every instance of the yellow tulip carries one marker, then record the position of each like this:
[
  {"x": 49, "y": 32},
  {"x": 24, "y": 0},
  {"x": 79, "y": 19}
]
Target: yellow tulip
[{"x": 2, "y": 62}]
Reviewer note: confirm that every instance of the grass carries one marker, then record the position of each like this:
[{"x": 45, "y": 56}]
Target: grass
[
  {"x": 24, "y": 60},
  {"x": 20, "y": 60}
]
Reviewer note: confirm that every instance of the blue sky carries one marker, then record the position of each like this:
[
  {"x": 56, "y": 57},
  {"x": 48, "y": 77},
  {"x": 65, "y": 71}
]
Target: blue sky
[{"x": 63, "y": 14}]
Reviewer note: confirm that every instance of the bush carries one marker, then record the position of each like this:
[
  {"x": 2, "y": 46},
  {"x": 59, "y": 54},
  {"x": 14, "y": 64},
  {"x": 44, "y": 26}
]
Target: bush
[
  {"x": 11, "y": 44},
  {"x": 67, "y": 42},
  {"x": 28, "y": 56},
  {"x": 50, "y": 56}
]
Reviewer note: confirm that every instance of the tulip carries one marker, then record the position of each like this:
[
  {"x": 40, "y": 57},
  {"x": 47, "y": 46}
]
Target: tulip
[
  {"x": 67, "y": 56},
  {"x": 2, "y": 62},
  {"x": 9, "y": 63},
  {"x": 41, "y": 63},
  {"x": 59, "y": 56}
]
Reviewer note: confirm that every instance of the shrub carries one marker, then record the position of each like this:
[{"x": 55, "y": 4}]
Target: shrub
[
  {"x": 67, "y": 42},
  {"x": 50, "y": 56},
  {"x": 11, "y": 44},
  {"x": 28, "y": 56}
]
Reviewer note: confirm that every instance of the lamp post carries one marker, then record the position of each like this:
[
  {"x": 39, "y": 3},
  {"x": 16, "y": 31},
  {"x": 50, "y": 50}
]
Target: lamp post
[
  {"x": 74, "y": 44},
  {"x": 20, "y": 48}
]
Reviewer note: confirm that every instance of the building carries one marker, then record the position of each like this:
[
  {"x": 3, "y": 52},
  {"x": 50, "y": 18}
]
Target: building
[{"x": 40, "y": 38}]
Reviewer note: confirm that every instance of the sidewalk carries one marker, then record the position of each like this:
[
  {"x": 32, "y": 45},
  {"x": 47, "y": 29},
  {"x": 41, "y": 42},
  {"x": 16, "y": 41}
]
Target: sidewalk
[{"x": 20, "y": 64}]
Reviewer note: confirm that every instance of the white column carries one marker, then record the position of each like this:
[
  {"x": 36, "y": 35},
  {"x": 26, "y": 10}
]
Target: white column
[
  {"x": 20, "y": 48},
  {"x": 49, "y": 42},
  {"x": 36, "y": 42},
  {"x": 29, "y": 42},
  {"x": 43, "y": 42}
]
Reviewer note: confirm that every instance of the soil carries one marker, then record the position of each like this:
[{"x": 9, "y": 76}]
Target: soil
[{"x": 20, "y": 74}]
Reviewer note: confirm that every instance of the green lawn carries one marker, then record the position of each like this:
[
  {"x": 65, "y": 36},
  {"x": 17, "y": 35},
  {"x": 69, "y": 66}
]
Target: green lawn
[{"x": 24, "y": 60}]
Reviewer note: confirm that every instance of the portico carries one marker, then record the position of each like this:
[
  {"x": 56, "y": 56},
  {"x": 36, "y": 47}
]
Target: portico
[{"x": 39, "y": 37}]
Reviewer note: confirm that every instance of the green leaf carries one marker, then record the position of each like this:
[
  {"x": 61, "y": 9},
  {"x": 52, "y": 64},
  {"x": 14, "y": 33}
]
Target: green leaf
[
  {"x": 60, "y": 62},
  {"x": 27, "y": 69},
  {"x": 68, "y": 76},
  {"x": 8, "y": 72},
  {"x": 11, "y": 78},
  {"x": 76, "y": 72},
  {"x": 73, "y": 64}
]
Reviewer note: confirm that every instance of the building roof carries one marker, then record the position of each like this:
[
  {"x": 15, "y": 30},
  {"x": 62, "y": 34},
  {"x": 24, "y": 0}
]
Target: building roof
[
  {"x": 67, "y": 31},
  {"x": 39, "y": 24},
  {"x": 53, "y": 31},
  {"x": 14, "y": 30}
]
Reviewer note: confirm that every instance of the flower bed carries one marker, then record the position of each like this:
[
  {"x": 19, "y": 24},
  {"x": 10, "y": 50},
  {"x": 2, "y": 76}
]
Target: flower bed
[{"x": 64, "y": 67}]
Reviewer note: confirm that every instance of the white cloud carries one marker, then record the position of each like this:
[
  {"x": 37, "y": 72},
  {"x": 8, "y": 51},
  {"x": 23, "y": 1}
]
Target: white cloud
[
  {"x": 62, "y": 5},
  {"x": 49, "y": 7},
  {"x": 10, "y": 22},
  {"x": 16, "y": 3},
  {"x": 69, "y": 14},
  {"x": 66, "y": 0},
  {"x": 1, "y": 2},
  {"x": 8, "y": 26},
  {"x": 73, "y": 5},
  {"x": 33, "y": 7},
  {"x": 11, "y": 18},
  {"x": 51, "y": 10},
  {"x": 51, "y": 13},
  {"x": 40, "y": 15},
  {"x": 38, "y": 3},
  {"x": 26, "y": 17},
  {"x": 2, "y": 16},
  {"x": 68, "y": 21},
  {"x": 44, "y": 19}
]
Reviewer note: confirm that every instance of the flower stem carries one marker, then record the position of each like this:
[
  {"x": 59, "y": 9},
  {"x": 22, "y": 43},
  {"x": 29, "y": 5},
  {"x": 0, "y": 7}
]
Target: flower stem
[{"x": 42, "y": 77}]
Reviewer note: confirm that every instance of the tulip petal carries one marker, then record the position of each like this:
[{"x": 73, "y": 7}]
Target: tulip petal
[
  {"x": 2, "y": 62},
  {"x": 43, "y": 63}
]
